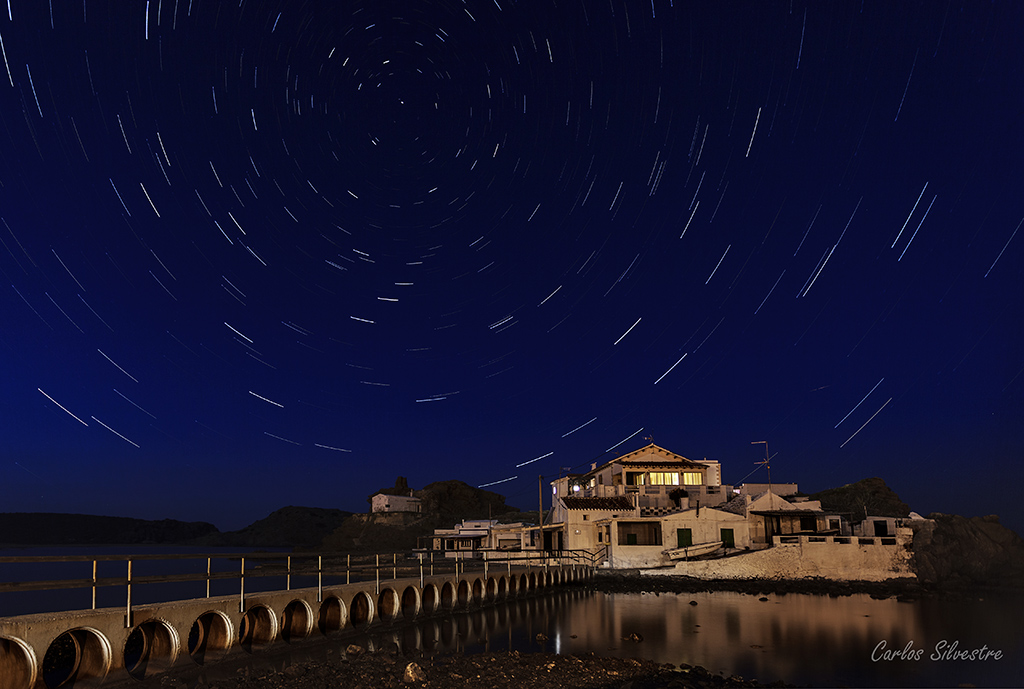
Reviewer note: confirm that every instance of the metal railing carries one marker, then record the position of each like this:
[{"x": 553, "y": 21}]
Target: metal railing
[{"x": 330, "y": 569}]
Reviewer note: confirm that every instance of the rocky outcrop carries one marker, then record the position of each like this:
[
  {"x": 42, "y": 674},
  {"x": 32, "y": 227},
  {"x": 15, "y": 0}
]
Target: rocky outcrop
[
  {"x": 868, "y": 496},
  {"x": 457, "y": 500},
  {"x": 957, "y": 552},
  {"x": 47, "y": 528},
  {"x": 380, "y": 531}
]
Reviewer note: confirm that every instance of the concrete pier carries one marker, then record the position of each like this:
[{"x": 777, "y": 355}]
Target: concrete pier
[{"x": 89, "y": 648}]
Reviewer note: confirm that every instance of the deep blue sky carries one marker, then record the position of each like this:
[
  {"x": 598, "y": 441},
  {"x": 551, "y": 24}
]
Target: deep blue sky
[{"x": 269, "y": 253}]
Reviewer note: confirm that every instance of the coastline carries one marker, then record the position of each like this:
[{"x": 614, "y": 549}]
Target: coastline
[{"x": 633, "y": 581}]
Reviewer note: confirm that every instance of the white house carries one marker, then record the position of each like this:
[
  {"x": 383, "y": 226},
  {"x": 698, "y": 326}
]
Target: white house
[
  {"x": 655, "y": 480},
  {"x": 394, "y": 503}
]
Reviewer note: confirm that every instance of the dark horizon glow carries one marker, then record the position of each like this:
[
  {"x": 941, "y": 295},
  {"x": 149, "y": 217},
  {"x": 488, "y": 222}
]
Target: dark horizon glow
[{"x": 261, "y": 254}]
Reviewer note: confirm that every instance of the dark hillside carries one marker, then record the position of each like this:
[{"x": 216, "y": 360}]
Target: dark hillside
[
  {"x": 868, "y": 496},
  {"x": 298, "y": 527},
  {"x": 48, "y": 528}
]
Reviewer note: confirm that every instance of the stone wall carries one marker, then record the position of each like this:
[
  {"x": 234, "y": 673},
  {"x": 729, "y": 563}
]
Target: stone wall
[{"x": 843, "y": 562}]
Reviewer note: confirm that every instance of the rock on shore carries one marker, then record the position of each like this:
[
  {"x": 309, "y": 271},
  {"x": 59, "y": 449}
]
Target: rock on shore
[
  {"x": 480, "y": 671},
  {"x": 957, "y": 552}
]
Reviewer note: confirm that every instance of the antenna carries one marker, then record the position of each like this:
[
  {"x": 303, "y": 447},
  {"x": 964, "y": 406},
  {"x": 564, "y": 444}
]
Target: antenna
[{"x": 766, "y": 460}]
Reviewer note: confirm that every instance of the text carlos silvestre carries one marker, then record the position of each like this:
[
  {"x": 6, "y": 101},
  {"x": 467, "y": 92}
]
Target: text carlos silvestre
[{"x": 943, "y": 650}]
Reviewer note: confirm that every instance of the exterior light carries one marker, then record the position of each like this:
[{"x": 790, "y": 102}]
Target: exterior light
[{"x": 576, "y": 488}]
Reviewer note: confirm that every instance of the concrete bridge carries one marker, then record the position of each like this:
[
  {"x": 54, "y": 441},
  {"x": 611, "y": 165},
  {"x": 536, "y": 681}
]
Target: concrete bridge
[{"x": 89, "y": 648}]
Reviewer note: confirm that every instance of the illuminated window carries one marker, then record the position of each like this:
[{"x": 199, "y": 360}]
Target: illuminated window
[
  {"x": 692, "y": 478},
  {"x": 664, "y": 478},
  {"x": 634, "y": 478}
]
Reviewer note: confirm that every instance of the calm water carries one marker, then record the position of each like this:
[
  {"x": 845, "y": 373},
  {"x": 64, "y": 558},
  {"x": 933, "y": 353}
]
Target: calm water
[{"x": 801, "y": 639}]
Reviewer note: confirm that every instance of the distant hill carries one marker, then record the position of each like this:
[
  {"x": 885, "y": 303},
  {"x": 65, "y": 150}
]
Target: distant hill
[
  {"x": 868, "y": 496},
  {"x": 299, "y": 527},
  {"x": 49, "y": 528}
]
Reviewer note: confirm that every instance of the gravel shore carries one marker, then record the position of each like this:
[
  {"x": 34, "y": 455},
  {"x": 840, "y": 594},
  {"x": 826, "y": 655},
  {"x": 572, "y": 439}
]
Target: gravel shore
[{"x": 383, "y": 670}]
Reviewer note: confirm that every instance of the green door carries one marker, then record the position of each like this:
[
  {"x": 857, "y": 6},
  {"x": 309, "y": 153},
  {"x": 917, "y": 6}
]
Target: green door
[
  {"x": 727, "y": 539},
  {"x": 684, "y": 538}
]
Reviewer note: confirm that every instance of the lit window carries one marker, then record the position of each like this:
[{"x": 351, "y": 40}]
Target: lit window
[
  {"x": 692, "y": 478},
  {"x": 664, "y": 478}
]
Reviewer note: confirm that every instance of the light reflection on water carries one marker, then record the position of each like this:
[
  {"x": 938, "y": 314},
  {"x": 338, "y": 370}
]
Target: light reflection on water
[{"x": 801, "y": 639}]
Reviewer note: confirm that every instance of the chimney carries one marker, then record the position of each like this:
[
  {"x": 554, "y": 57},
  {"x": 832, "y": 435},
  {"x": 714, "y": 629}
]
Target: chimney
[{"x": 593, "y": 465}]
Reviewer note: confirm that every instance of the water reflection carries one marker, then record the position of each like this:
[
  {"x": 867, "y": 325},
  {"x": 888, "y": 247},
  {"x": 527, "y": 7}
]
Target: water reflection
[{"x": 801, "y": 639}]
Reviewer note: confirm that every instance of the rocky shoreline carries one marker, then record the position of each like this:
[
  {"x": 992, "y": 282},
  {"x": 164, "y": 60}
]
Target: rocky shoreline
[
  {"x": 632, "y": 581},
  {"x": 513, "y": 670}
]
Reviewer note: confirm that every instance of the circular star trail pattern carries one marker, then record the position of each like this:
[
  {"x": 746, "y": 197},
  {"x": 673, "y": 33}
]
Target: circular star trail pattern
[{"x": 267, "y": 253}]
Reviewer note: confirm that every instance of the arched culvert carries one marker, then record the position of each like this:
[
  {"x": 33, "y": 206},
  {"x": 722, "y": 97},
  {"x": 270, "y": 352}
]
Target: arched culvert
[
  {"x": 361, "y": 610},
  {"x": 491, "y": 589},
  {"x": 77, "y": 658},
  {"x": 150, "y": 649},
  {"x": 532, "y": 582},
  {"x": 524, "y": 585},
  {"x": 428, "y": 599},
  {"x": 513, "y": 586},
  {"x": 210, "y": 637},
  {"x": 410, "y": 602},
  {"x": 296, "y": 621},
  {"x": 387, "y": 605},
  {"x": 447, "y": 596},
  {"x": 332, "y": 616},
  {"x": 478, "y": 591},
  {"x": 462, "y": 596},
  {"x": 17, "y": 664},
  {"x": 501, "y": 592},
  {"x": 258, "y": 628}
]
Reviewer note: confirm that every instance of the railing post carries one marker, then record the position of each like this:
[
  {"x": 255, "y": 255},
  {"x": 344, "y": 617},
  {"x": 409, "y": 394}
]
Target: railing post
[
  {"x": 421, "y": 571},
  {"x": 128, "y": 608},
  {"x": 348, "y": 568},
  {"x": 431, "y": 563},
  {"x": 319, "y": 578},
  {"x": 288, "y": 576},
  {"x": 94, "y": 584},
  {"x": 377, "y": 568},
  {"x": 485, "y": 566},
  {"x": 208, "y": 577},
  {"x": 241, "y": 587},
  {"x": 394, "y": 571}
]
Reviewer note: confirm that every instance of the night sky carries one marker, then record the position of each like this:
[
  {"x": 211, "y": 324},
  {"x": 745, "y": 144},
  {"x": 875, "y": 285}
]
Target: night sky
[{"x": 264, "y": 253}]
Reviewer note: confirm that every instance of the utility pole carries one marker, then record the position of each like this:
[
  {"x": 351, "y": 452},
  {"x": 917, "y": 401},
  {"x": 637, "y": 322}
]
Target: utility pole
[{"x": 540, "y": 499}]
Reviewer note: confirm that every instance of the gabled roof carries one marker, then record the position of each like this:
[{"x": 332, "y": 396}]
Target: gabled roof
[
  {"x": 617, "y": 502},
  {"x": 643, "y": 457}
]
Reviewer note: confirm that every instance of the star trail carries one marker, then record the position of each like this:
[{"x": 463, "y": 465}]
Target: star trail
[{"x": 288, "y": 251}]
